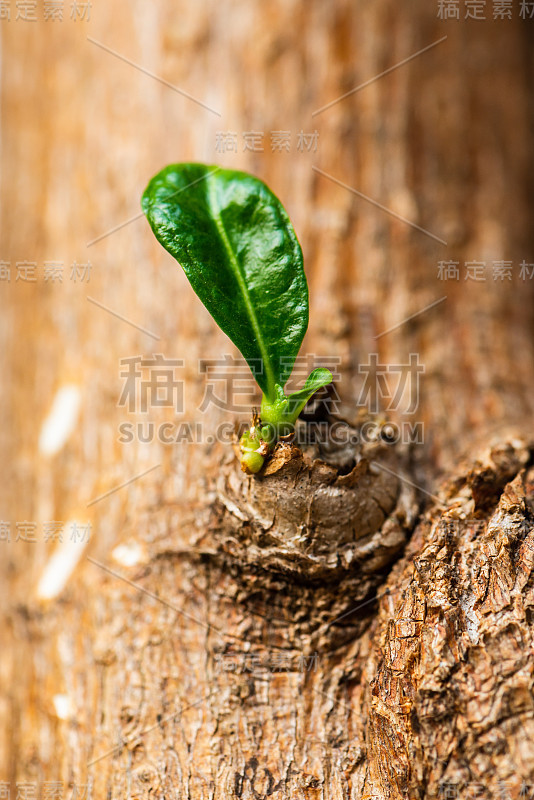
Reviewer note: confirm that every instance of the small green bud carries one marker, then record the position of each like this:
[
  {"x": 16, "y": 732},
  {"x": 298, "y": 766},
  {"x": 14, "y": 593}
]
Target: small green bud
[
  {"x": 251, "y": 462},
  {"x": 249, "y": 441}
]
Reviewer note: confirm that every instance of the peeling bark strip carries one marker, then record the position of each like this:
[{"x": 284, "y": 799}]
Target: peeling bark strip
[{"x": 451, "y": 684}]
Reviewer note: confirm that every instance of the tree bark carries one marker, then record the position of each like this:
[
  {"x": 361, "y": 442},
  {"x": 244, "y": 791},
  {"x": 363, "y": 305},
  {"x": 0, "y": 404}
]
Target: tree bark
[{"x": 228, "y": 637}]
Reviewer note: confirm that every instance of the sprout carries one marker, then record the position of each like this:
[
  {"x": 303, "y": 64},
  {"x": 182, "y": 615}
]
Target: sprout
[{"x": 236, "y": 245}]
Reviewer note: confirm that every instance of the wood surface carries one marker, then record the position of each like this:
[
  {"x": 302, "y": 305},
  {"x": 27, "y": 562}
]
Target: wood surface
[{"x": 170, "y": 665}]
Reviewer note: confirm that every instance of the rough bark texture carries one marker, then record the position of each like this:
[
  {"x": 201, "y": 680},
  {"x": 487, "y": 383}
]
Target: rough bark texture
[{"x": 209, "y": 642}]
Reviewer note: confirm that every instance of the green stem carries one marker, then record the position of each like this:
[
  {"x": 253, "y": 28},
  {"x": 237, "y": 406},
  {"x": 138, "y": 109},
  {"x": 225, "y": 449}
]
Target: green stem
[{"x": 280, "y": 414}]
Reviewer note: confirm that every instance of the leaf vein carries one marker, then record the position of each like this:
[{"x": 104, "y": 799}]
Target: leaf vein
[{"x": 241, "y": 283}]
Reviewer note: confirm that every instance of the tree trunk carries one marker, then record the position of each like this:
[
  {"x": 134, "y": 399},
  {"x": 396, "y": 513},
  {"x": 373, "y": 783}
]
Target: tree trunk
[{"x": 358, "y": 629}]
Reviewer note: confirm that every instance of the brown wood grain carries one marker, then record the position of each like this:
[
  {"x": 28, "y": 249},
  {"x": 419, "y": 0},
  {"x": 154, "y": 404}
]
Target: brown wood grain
[{"x": 436, "y": 685}]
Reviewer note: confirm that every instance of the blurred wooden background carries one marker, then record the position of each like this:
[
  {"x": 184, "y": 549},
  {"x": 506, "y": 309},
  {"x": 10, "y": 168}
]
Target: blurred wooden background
[{"x": 444, "y": 141}]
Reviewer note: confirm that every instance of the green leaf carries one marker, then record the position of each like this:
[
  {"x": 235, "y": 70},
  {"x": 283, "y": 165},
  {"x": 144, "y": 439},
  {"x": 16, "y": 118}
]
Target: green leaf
[
  {"x": 316, "y": 380},
  {"x": 236, "y": 245},
  {"x": 284, "y": 409}
]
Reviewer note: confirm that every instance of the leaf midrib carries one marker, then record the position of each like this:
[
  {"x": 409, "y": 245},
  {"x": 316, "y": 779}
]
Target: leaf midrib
[{"x": 242, "y": 285}]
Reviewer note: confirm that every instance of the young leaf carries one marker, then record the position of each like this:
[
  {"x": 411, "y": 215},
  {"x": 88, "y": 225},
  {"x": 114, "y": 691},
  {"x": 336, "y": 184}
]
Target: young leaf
[
  {"x": 236, "y": 245},
  {"x": 316, "y": 380},
  {"x": 284, "y": 410}
]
